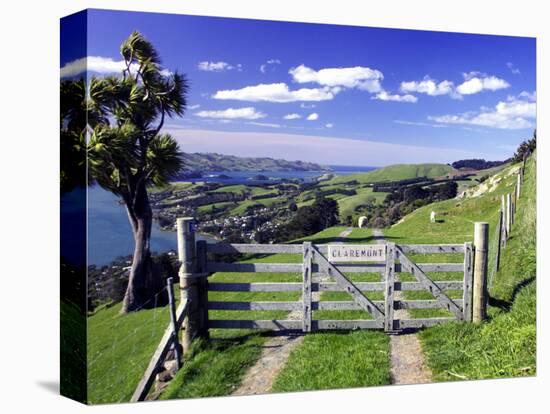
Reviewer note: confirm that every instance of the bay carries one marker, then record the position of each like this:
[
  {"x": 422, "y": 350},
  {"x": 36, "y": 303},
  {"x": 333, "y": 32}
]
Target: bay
[{"x": 109, "y": 232}]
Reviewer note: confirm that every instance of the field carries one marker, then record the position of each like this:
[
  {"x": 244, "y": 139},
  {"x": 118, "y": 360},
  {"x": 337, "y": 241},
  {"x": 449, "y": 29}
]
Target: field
[
  {"x": 347, "y": 205},
  {"x": 351, "y": 191},
  {"x": 119, "y": 347},
  {"x": 395, "y": 173}
]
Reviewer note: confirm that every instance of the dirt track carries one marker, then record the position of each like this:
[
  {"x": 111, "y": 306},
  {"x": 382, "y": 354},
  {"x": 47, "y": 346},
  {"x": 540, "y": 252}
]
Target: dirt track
[{"x": 408, "y": 365}]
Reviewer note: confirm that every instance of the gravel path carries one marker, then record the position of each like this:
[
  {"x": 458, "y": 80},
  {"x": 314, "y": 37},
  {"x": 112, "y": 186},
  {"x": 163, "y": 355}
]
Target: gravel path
[
  {"x": 260, "y": 377},
  {"x": 345, "y": 233},
  {"x": 408, "y": 365}
]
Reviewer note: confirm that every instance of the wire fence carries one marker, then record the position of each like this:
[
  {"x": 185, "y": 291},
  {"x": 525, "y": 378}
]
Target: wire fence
[
  {"x": 120, "y": 348},
  {"x": 504, "y": 223}
]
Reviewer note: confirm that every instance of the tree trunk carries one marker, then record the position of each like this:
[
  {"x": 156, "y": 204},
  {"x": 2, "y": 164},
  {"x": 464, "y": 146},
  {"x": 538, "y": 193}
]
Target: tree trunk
[{"x": 143, "y": 285}]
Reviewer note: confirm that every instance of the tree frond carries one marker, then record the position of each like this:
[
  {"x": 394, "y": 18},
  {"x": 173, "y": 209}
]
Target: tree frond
[
  {"x": 164, "y": 160},
  {"x": 112, "y": 154},
  {"x": 138, "y": 49}
]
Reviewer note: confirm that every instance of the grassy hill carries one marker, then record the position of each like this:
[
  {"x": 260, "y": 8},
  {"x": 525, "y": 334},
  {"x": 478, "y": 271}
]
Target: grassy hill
[
  {"x": 504, "y": 345},
  {"x": 396, "y": 172},
  {"x": 223, "y": 162},
  {"x": 347, "y": 205}
]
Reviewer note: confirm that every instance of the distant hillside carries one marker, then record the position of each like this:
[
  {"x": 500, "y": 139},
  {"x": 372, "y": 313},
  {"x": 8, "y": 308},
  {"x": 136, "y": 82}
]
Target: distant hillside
[
  {"x": 201, "y": 162},
  {"x": 397, "y": 172},
  {"x": 477, "y": 164}
]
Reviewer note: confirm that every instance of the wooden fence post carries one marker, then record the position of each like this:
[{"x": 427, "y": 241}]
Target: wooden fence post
[
  {"x": 172, "y": 302},
  {"x": 202, "y": 286},
  {"x": 508, "y": 214},
  {"x": 189, "y": 280},
  {"x": 513, "y": 206},
  {"x": 499, "y": 241},
  {"x": 518, "y": 187},
  {"x": 504, "y": 220},
  {"x": 306, "y": 290},
  {"x": 468, "y": 282},
  {"x": 480, "y": 296},
  {"x": 390, "y": 287}
]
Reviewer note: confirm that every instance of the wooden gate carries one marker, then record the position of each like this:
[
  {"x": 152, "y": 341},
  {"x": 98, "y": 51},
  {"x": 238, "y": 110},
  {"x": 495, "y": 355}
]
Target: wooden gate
[
  {"x": 334, "y": 262},
  {"x": 316, "y": 265}
]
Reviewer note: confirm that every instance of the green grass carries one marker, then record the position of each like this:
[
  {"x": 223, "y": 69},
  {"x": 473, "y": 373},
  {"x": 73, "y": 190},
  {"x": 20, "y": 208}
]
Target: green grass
[
  {"x": 235, "y": 189},
  {"x": 207, "y": 208},
  {"x": 347, "y": 205},
  {"x": 73, "y": 351},
  {"x": 119, "y": 349},
  {"x": 215, "y": 367},
  {"x": 505, "y": 344},
  {"x": 336, "y": 360},
  {"x": 242, "y": 206},
  {"x": 395, "y": 172},
  {"x": 472, "y": 180},
  {"x": 176, "y": 185}
]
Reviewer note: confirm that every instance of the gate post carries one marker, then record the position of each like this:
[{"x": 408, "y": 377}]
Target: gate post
[
  {"x": 480, "y": 295},
  {"x": 468, "y": 282},
  {"x": 306, "y": 290},
  {"x": 190, "y": 282},
  {"x": 389, "y": 288},
  {"x": 202, "y": 285}
]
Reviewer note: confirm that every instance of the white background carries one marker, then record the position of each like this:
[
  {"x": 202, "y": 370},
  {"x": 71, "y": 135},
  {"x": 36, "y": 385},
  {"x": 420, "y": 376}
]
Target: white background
[{"x": 29, "y": 87}]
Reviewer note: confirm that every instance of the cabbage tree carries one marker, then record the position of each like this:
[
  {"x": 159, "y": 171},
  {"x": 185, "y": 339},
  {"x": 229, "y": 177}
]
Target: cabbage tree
[{"x": 127, "y": 153}]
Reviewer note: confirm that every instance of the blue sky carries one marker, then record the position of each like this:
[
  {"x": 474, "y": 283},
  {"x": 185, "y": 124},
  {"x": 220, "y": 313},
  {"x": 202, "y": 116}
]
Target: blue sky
[{"x": 327, "y": 93}]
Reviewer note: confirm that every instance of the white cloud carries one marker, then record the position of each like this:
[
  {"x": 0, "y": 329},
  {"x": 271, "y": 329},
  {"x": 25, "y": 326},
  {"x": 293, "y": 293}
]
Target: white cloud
[
  {"x": 230, "y": 113},
  {"x": 476, "y": 82},
  {"x": 307, "y": 106},
  {"x": 512, "y": 68},
  {"x": 313, "y": 117},
  {"x": 276, "y": 92},
  {"x": 100, "y": 65},
  {"x": 264, "y": 124},
  {"x": 352, "y": 77},
  {"x": 429, "y": 87},
  {"x": 515, "y": 113},
  {"x": 329, "y": 125},
  {"x": 292, "y": 116},
  {"x": 194, "y": 107},
  {"x": 398, "y": 121},
  {"x": 385, "y": 96},
  {"x": 530, "y": 96},
  {"x": 270, "y": 62},
  {"x": 217, "y": 66}
]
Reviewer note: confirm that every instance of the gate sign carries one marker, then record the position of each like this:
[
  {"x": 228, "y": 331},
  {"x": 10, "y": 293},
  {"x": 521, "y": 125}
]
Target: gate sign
[{"x": 357, "y": 253}]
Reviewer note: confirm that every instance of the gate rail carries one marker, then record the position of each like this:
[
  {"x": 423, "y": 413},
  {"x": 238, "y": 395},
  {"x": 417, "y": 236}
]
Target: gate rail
[{"x": 315, "y": 264}]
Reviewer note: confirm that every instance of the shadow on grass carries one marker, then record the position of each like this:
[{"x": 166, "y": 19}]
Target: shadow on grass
[{"x": 505, "y": 305}]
